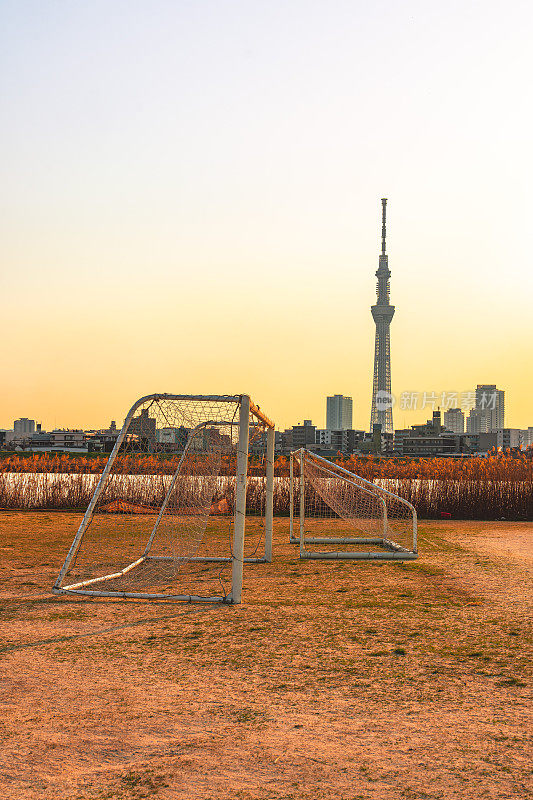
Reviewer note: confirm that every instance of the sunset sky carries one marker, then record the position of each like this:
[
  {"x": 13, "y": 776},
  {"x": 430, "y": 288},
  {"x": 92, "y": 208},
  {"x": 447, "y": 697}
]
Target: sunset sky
[{"x": 191, "y": 202}]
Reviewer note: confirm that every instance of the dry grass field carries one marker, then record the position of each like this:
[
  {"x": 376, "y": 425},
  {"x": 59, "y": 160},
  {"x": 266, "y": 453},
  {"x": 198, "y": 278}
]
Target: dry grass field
[{"x": 342, "y": 681}]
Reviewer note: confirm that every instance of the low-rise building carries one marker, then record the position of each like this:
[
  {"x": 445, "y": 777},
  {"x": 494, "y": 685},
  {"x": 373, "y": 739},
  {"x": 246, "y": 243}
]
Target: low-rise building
[
  {"x": 509, "y": 438},
  {"x": 41, "y": 441},
  {"x": 303, "y": 435},
  {"x": 175, "y": 438},
  {"x": 66, "y": 439},
  {"x": 527, "y": 437},
  {"x": 432, "y": 439},
  {"x": 347, "y": 440},
  {"x": 433, "y": 445},
  {"x": 354, "y": 440},
  {"x": 323, "y": 437},
  {"x": 399, "y": 438}
]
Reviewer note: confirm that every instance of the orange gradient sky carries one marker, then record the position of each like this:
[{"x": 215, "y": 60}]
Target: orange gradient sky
[{"x": 191, "y": 203}]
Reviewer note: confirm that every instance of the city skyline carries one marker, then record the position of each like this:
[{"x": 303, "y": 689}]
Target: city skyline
[
  {"x": 204, "y": 219},
  {"x": 442, "y": 435},
  {"x": 478, "y": 411}
]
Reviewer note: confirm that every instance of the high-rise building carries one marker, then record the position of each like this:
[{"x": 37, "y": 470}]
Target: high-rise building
[
  {"x": 339, "y": 411},
  {"x": 454, "y": 420},
  {"x": 24, "y": 426},
  {"x": 489, "y": 412},
  {"x": 382, "y": 313}
]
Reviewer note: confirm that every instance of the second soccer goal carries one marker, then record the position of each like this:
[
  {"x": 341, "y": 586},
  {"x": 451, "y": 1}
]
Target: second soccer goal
[{"x": 335, "y": 514}]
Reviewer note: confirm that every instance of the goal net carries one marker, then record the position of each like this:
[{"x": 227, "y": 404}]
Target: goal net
[
  {"x": 348, "y": 516},
  {"x": 168, "y": 515}
]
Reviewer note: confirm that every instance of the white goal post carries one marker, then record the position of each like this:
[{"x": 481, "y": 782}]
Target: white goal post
[
  {"x": 352, "y": 517},
  {"x": 168, "y": 515}
]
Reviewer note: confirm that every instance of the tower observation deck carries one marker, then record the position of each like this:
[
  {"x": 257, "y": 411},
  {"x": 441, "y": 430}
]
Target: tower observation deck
[{"x": 382, "y": 313}]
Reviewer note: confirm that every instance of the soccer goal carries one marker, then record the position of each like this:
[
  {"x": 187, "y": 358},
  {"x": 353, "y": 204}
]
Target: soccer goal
[
  {"x": 348, "y": 516},
  {"x": 169, "y": 512}
]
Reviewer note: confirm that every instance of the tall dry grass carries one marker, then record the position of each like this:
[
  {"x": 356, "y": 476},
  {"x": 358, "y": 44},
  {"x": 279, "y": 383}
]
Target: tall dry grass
[{"x": 500, "y": 486}]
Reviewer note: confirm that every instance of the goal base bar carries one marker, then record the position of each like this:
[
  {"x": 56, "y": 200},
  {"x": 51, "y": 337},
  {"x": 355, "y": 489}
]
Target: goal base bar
[
  {"x": 387, "y": 544},
  {"x": 211, "y": 559},
  {"x": 358, "y": 556},
  {"x": 349, "y": 540},
  {"x": 187, "y": 598},
  {"x": 75, "y": 587}
]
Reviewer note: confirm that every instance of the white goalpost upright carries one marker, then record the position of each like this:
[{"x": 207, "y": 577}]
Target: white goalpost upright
[
  {"x": 352, "y": 517},
  {"x": 169, "y": 513}
]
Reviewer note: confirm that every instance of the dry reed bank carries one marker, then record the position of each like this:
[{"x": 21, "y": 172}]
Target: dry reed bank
[{"x": 497, "y": 487}]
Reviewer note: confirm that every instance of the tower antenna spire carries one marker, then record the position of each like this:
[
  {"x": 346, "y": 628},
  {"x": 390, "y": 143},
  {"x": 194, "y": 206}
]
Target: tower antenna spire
[{"x": 383, "y": 224}]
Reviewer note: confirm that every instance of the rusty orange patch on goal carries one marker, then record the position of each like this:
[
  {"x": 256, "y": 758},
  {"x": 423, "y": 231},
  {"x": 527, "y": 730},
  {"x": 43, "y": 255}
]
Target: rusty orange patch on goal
[{"x": 220, "y": 508}]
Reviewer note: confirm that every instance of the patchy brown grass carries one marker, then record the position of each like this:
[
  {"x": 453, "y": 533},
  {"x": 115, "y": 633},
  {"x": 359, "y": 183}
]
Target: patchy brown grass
[{"x": 340, "y": 681}]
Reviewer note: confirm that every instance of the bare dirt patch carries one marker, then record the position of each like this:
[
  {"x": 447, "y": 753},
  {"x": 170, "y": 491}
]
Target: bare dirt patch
[
  {"x": 340, "y": 681},
  {"x": 514, "y": 542}
]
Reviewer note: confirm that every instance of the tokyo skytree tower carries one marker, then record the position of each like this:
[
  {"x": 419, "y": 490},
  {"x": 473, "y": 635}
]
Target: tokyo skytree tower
[{"x": 382, "y": 312}]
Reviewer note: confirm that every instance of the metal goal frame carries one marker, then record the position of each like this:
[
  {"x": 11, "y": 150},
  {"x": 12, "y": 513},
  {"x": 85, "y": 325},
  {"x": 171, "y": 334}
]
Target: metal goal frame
[
  {"x": 389, "y": 549},
  {"x": 247, "y": 410}
]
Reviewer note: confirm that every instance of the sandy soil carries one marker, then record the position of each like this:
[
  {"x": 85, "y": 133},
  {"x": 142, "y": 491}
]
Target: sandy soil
[
  {"x": 339, "y": 681},
  {"x": 506, "y": 541}
]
